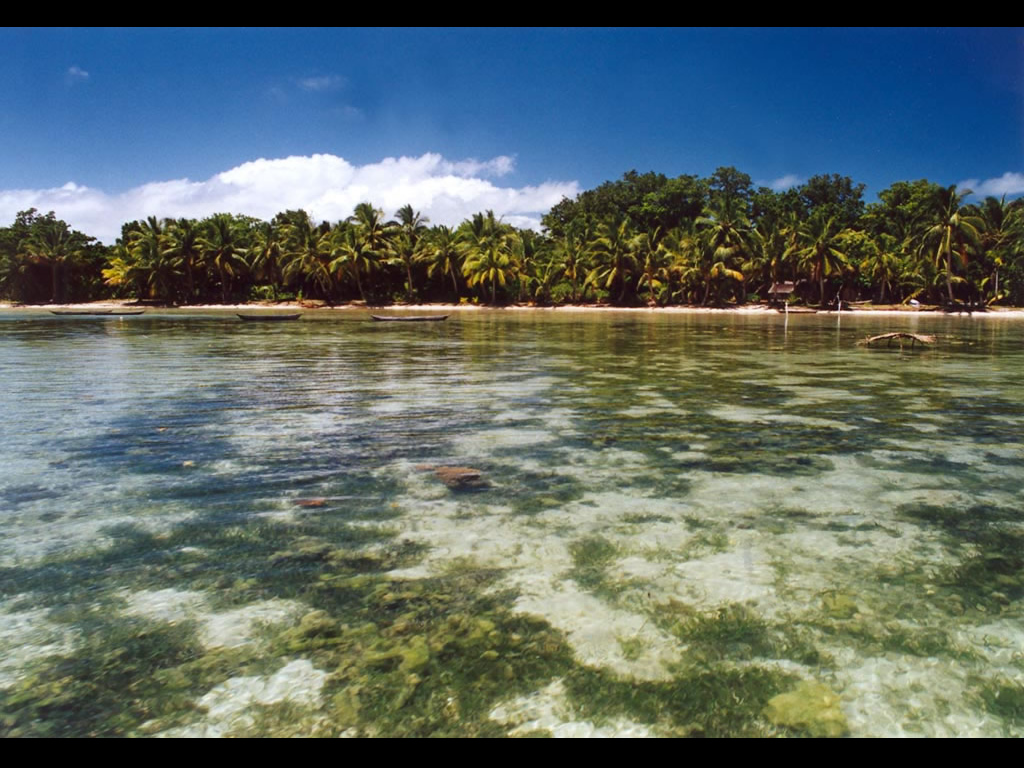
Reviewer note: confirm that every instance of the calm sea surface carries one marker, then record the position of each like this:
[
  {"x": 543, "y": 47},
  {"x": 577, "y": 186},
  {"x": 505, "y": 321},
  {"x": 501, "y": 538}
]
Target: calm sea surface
[{"x": 662, "y": 525}]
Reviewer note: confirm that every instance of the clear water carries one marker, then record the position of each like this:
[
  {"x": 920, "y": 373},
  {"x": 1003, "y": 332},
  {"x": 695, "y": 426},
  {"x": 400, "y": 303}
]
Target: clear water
[{"x": 213, "y": 527}]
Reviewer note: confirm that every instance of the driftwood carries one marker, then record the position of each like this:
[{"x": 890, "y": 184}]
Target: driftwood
[{"x": 900, "y": 336}]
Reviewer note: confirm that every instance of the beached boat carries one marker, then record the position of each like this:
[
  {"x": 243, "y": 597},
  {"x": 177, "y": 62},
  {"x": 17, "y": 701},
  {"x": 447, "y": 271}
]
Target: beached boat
[
  {"x": 409, "y": 318},
  {"x": 96, "y": 312},
  {"x": 269, "y": 318}
]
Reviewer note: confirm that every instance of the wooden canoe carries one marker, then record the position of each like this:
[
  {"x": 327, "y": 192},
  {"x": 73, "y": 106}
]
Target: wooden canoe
[
  {"x": 409, "y": 318},
  {"x": 96, "y": 312},
  {"x": 278, "y": 318}
]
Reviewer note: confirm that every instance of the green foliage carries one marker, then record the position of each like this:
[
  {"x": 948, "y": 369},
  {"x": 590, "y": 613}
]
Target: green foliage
[
  {"x": 833, "y": 197},
  {"x": 643, "y": 238}
]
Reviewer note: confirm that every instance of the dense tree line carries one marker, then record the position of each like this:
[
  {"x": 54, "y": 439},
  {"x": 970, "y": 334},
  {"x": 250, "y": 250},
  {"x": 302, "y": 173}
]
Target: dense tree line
[{"x": 643, "y": 239}]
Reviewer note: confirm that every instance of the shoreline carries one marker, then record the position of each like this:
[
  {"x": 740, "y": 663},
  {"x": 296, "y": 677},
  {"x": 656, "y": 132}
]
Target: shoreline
[{"x": 747, "y": 309}]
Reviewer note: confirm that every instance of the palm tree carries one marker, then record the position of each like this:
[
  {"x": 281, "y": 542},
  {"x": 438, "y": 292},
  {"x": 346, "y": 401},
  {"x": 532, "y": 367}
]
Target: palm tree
[
  {"x": 224, "y": 249},
  {"x": 375, "y": 234},
  {"x": 613, "y": 253},
  {"x": 55, "y": 245},
  {"x": 307, "y": 254},
  {"x": 1002, "y": 231},
  {"x": 773, "y": 261},
  {"x": 410, "y": 226},
  {"x": 441, "y": 253},
  {"x": 527, "y": 247},
  {"x": 816, "y": 248},
  {"x": 267, "y": 253},
  {"x": 654, "y": 257},
  {"x": 883, "y": 266},
  {"x": 181, "y": 243},
  {"x": 727, "y": 232},
  {"x": 572, "y": 250},
  {"x": 487, "y": 245},
  {"x": 148, "y": 246},
  {"x": 952, "y": 230},
  {"x": 351, "y": 253}
]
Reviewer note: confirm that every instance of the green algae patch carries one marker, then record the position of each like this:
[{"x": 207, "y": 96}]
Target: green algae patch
[
  {"x": 529, "y": 493},
  {"x": 641, "y": 518},
  {"x": 1004, "y": 698},
  {"x": 119, "y": 676},
  {"x": 591, "y": 557},
  {"x": 839, "y": 605},
  {"x": 810, "y": 709},
  {"x": 735, "y": 632},
  {"x": 713, "y": 702},
  {"x": 425, "y": 657}
]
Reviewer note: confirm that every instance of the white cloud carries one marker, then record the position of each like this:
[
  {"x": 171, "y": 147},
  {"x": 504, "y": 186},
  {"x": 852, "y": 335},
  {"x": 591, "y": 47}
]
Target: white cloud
[
  {"x": 322, "y": 83},
  {"x": 785, "y": 182},
  {"x": 498, "y": 166},
  {"x": 1008, "y": 184},
  {"x": 76, "y": 74},
  {"x": 326, "y": 186}
]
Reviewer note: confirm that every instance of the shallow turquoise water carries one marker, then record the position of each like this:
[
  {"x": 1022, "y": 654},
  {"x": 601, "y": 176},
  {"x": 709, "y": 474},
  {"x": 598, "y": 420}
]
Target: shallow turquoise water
[{"x": 743, "y": 501}]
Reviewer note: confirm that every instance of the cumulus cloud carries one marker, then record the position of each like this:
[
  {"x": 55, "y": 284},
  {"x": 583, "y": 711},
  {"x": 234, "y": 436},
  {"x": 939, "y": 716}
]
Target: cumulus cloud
[
  {"x": 76, "y": 74},
  {"x": 1009, "y": 184},
  {"x": 326, "y": 186},
  {"x": 785, "y": 182},
  {"x": 322, "y": 83}
]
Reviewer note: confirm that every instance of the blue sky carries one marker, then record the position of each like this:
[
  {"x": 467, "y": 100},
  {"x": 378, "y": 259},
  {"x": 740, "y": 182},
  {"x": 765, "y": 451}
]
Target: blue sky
[{"x": 110, "y": 125}]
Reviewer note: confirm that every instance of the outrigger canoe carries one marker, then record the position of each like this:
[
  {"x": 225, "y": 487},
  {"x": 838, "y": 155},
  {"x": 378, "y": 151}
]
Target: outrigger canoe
[{"x": 409, "y": 318}]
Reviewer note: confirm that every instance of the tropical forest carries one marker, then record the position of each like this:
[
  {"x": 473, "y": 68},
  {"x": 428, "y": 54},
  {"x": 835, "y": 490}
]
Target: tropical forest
[{"x": 643, "y": 240}]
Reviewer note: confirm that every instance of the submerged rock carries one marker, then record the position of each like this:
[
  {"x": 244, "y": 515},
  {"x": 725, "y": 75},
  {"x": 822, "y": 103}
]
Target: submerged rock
[
  {"x": 811, "y": 707},
  {"x": 461, "y": 478}
]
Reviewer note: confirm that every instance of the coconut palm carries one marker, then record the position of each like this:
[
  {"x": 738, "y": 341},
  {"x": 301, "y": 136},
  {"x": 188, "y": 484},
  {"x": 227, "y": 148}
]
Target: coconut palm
[
  {"x": 953, "y": 229},
  {"x": 442, "y": 254},
  {"x": 883, "y": 266},
  {"x": 307, "y": 255},
  {"x": 487, "y": 246},
  {"x": 267, "y": 253},
  {"x": 351, "y": 253},
  {"x": 375, "y": 233},
  {"x": 54, "y": 245},
  {"x": 181, "y": 244},
  {"x": 224, "y": 249},
  {"x": 1002, "y": 232},
  {"x": 148, "y": 245},
  {"x": 572, "y": 252},
  {"x": 528, "y": 249},
  {"x": 816, "y": 250},
  {"x": 654, "y": 260},
  {"x": 410, "y": 226},
  {"x": 612, "y": 253}
]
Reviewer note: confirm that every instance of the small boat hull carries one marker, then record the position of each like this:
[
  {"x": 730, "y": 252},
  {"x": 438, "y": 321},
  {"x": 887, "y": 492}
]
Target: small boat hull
[
  {"x": 279, "y": 318},
  {"x": 96, "y": 312},
  {"x": 409, "y": 318}
]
